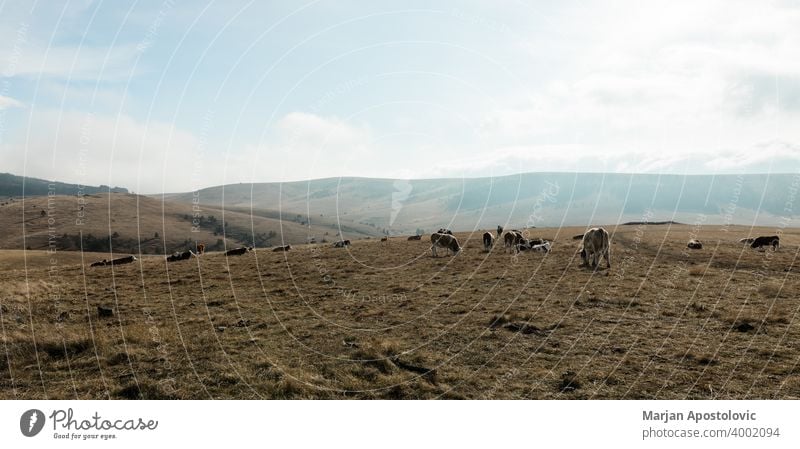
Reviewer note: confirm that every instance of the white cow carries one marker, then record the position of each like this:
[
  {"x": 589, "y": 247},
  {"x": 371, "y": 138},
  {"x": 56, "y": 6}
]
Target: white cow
[
  {"x": 595, "y": 245},
  {"x": 446, "y": 241}
]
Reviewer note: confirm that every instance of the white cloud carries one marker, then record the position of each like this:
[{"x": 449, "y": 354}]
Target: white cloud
[
  {"x": 8, "y": 102},
  {"x": 86, "y": 149}
]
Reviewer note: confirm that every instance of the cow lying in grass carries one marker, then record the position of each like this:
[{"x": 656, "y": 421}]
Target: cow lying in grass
[
  {"x": 180, "y": 256},
  {"x": 118, "y": 261},
  {"x": 238, "y": 251}
]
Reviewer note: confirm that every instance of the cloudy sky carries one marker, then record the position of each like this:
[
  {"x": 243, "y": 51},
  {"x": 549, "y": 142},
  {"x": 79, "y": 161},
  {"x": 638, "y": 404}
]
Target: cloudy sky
[{"x": 176, "y": 95}]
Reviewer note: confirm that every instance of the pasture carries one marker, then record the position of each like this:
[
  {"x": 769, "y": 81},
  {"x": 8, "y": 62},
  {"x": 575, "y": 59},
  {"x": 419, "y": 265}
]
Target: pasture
[{"x": 386, "y": 320}]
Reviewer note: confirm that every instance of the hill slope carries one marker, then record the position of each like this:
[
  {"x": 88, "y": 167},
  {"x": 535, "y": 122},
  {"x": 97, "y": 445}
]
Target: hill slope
[
  {"x": 133, "y": 224},
  {"x": 532, "y": 199},
  {"x": 16, "y": 186}
]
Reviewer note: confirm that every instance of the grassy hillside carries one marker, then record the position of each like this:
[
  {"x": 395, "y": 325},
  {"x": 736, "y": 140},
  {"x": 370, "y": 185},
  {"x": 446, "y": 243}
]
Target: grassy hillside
[
  {"x": 18, "y": 186},
  {"x": 136, "y": 224},
  {"x": 386, "y": 320},
  {"x": 533, "y": 199}
]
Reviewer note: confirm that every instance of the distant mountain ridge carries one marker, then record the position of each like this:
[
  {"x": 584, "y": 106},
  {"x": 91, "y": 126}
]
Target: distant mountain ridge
[
  {"x": 16, "y": 186},
  {"x": 531, "y": 199}
]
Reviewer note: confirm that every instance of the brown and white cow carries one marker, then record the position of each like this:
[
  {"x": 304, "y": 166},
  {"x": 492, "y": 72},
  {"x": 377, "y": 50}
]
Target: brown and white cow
[
  {"x": 512, "y": 239},
  {"x": 446, "y": 241},
  {"x": 595, "y": 245}
]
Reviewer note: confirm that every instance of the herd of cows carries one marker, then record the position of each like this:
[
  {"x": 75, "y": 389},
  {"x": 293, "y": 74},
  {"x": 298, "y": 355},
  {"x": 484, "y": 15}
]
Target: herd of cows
[{"x": 594, "y": 246}]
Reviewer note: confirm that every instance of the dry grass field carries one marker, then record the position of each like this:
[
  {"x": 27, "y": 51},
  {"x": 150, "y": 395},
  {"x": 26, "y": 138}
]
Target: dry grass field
[{"x": 386, "y": 320}]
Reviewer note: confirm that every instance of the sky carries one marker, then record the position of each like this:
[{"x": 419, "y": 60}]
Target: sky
[{"x": 167, "y": 96}]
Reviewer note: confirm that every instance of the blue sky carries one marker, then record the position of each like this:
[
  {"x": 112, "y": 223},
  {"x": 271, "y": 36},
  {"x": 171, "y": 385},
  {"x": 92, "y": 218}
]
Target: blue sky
[{"x": 174, "y": 96}]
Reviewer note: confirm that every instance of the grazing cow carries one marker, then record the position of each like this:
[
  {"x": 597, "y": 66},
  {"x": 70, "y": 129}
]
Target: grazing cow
[
  {"x": 341, "y": 244},
  {"x": 746, "y": 240},
  {"x": 512, "y": 238},
  {"x": 444, "y": 231},
  {"x": 447, "y": 241},
  {"x": 695, "y": 244},
  {"x": 415, "y": 237},
  {"x": 772, "y": 240},
  {"x": 577, "y": 237},
  {"x": 488, "y": 241},
  {"x": 201, "y": 248},
  {"x": 122, "y": 260},
  {"x": 278, "y": 249},
  {"x": 238, "y": 251},
  {"x": 499, "y": 231},
  {"x": 595, "y": 245}
]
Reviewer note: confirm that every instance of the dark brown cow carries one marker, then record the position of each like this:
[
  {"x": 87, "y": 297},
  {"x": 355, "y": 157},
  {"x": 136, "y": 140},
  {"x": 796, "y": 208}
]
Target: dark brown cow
[
  {"x": 201, "y": 248},
  {"x": 101, "y": 263},
  {"x": 415, "y": 237},
  {"x": 384, "y": 239},
  {"x": 773, "y": 240}
]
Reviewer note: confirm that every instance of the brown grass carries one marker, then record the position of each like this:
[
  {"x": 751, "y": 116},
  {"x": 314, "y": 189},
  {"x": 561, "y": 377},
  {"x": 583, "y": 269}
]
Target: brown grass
[{"x": 386, "y": 320}]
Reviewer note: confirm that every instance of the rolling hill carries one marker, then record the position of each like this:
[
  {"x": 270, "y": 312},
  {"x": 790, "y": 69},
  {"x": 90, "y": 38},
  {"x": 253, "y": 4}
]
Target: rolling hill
[
  {"x": 532, "y": 199},
  {"x": 17, "y": 186},
  {"x": 144, "y": 225}
]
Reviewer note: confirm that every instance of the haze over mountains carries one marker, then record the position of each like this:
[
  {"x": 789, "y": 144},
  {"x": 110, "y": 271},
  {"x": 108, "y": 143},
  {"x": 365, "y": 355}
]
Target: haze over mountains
[
  {"x": 325, "y": 210},
  {"x": 531, "y": 199}
]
